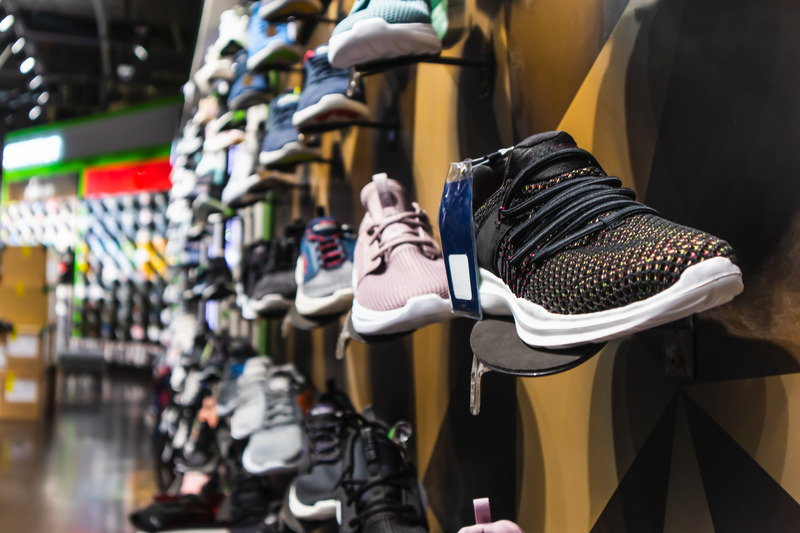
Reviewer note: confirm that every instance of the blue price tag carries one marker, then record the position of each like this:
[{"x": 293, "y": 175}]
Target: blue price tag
[{"x": 457, "y": 231}]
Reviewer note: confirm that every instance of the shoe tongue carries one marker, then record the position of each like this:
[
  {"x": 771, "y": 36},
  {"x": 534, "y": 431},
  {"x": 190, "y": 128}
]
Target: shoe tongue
[
  {"x": 279, "y": 384},
  {"x": 375, "y": 457},
  {"x": 383, "y": 198},
  {"x": 540, "y": 145}
]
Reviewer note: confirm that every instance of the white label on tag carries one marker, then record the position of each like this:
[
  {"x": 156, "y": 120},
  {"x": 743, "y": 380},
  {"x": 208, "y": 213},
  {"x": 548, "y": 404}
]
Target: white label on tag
[{"x": 459, "y": 269}]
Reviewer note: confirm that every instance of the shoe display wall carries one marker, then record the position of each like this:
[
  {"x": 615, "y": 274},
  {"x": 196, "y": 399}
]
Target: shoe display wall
[{"x": 593, "y": 291}]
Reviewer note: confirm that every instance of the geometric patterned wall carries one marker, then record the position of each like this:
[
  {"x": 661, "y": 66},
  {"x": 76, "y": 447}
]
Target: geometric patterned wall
[{"x": 695, "y": 105}]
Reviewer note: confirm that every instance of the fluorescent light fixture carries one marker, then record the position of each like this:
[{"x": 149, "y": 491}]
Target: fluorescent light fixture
[
  {"x": 6, "y": 23},
  {"x": 27, "y": 65},
  {"x": 43, "y": 98},
  {"x": 18, "y": 45},
  {"x": 33, "y": 152},
  {"x": 141, "y": 52},
  {"x": 35, "y": 83},
  {"x": 35, "y": 112}
]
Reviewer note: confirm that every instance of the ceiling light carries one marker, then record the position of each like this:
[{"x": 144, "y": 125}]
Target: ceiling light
[
  {"x": 141, "y": 52},
  {"x": 27, "y": 65},
  {"x": 35, "y": 113},
  {"x": 35, "y": 83},
  {"x": 125, "y": 72},
  {"x": 18, "y": 45},
  {"x": 43, "y": 98},
  {"x": 6, "y": 23}
]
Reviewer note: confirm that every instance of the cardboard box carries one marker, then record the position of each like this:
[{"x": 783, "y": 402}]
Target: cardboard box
[
  {"x": 26, "y": 265},
  {"x": 26, "y": 304},
  {"x": 24, "y": 395},
  {"x": 27, "y": 349}
]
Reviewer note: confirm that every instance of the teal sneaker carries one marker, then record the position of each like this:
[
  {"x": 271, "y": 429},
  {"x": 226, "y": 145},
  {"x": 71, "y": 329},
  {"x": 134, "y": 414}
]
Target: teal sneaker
[{"x": 383, "y": 29}]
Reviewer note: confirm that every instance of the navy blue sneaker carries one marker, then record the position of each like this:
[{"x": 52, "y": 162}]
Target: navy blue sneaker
[
  {"x": 324, "y": 269},
  {"x": 281, "y": 147},
  {"x": 269, "y": 45},
  {"x": 249, "y": 88},
  {"x": 324, "y": 99}
]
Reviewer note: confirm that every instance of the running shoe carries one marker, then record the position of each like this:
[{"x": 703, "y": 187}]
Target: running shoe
[
  {"x": 249, "y": 88},
  {"x": 324, "y": 98},
  {"x": 275, "y": 290},
  {"x": 324, "y": 269},
  {"x": 575, "y": 259},
  {"x": 269, "y": 45},
  {"x": 383, "y": 29},
  {"x": 379, "y": 490},
  {"x": 279, "y": 445},
  {"x": 400, "y": 279},
  {"x": 281, "y": 147},
  {"x": 312, "y": 496}
]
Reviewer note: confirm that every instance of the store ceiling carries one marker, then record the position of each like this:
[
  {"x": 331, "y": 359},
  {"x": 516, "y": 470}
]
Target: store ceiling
[{"x": 86, "y": 55}]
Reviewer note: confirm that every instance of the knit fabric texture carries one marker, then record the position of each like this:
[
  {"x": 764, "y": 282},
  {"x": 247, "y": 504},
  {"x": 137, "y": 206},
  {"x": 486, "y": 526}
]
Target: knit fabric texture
[{"x": 392, "y": 11}]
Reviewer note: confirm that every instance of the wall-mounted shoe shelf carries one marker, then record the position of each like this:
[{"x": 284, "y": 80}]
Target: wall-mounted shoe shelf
[{"x": 496, "y": 346}]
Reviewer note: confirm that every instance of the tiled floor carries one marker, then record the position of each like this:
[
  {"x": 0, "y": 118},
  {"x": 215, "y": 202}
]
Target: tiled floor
[{"x": 84, "y": 470}]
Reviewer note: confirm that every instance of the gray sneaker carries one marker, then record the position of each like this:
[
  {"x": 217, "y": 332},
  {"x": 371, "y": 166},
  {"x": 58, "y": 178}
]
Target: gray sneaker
[
  {"x": 279, "y": 446},
  {"x": 325, "y": 269},
  {"x": 252, "y": 402}
]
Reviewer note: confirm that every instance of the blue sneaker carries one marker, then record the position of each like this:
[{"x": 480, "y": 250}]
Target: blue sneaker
[
  {"x": 281, "y": 9},
  {"x": 383, "y": 29},
  {"x": 269, "y": 45},
  {"x": 281, "y": 147},
  {"x": 324, "y": 99},
  {"x": 324, "y": 269},
  {"x": 249, "y": 88}
]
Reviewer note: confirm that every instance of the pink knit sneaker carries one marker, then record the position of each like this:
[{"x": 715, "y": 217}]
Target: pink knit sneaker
[{"x": 399, "y": 277}]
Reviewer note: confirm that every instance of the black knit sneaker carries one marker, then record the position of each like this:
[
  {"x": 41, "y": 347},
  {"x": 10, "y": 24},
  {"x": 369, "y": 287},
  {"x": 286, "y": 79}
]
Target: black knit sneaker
[
  {"x": 379, "y": 491},
  {"x": 575, "y": 259},
  {"x": 275, "y": 289},
  {"x": 312, "y": 496}
]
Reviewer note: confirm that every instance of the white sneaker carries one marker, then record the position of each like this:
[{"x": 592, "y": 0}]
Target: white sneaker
[{"x": 232, "y": 31}]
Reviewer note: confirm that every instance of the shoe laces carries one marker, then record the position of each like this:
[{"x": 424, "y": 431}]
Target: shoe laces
[
  {"x": 281, "y": 115},
  {"x": 418, "y": 232},
  {"x": 330, "y": 250},
  {"x": 566, "y": 212},
  {"x": 281, "y": 404},
  {"x": 325, "y": 430},
  {"x": 381, "y": 500},
  {"x": 320, "y": 69}
]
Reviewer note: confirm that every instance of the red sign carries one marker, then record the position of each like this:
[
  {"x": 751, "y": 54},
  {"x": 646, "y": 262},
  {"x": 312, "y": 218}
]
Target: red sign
[{"x": 152, "y": 175}]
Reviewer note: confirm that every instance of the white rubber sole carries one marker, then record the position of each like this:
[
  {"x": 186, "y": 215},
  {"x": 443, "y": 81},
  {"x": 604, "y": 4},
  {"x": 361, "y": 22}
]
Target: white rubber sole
[
  {"x": 331, "y": 109},
  {"x": 269, "y": 467},
  {"x": 418, "y": 311},
  {"x": 374, "y": 39},
  {"x": 293, "y": 152},
  {"x": 702, "y": 286},
  {"x": 338, "y": 302},
  {"x": 270, "y": 303},
  {"x": 321, "y": 510},
  {"x": 285, "y": 8}
]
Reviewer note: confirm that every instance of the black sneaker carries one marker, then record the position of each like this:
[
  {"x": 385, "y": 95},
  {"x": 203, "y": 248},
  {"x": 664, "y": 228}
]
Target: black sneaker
[
  {"x": 214, "y": 281},
  {"x": 255, "y": 257},
  {"x": 201, "y": 453},
  {"x": 575, "y": 259},
  {"x": 379, "y": 491},
  {"x": 312, "y": 496},
  {"x": 276, "y": 288}
]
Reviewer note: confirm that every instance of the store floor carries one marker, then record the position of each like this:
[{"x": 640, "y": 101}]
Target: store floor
[{"x": 84, "y": 470}]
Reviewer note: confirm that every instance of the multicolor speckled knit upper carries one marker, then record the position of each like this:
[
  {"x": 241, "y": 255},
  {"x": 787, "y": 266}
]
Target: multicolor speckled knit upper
[{"x": 621, "y": 259}]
